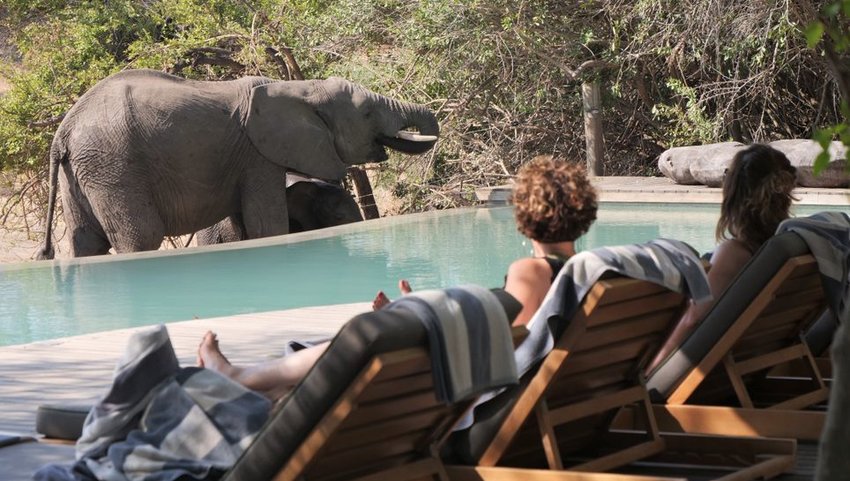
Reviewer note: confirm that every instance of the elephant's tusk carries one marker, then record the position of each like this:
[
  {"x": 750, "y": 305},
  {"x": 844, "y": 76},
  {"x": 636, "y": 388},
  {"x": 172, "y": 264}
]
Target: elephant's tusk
[{"x": 412, "y": 137}]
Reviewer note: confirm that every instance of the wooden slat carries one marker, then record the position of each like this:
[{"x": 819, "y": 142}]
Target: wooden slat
[
  {"x": 654, "y": 324},
  {"x": 624, "y": 289},
  {"x": 388, "y": 428},
  {"x": 734, "y": 421},
  {"x": 625, "y": 310},
  {"x": 770, "y": 359},
  {"x": 480, "y": 473},
  {"x": 596, "y": 405},
  {"x": 632, "y": 349},
  {"x": 350, "y": 460},
  {"x": 370, "y": 412},
  {"x": 398, "y": 387},
  {"x": 408, "y": 362}
]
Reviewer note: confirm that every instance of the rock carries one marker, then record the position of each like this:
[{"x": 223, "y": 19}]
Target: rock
[
  {"x": 802, "y": 154},
  {"x": 707, "y": 164},
  {"x": 698, "y": 164}
]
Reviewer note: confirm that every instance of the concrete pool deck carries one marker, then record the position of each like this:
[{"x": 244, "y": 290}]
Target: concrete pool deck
[
  {"x": 77, "y": 370},
  {"x": 662, "y": 189}
]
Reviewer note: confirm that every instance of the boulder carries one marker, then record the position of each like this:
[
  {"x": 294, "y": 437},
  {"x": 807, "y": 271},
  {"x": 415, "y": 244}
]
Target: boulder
[
  {"x": 707, "y": 164},
  {"x": 698, "y": 164},
  {"x": 802, "y": 154}
]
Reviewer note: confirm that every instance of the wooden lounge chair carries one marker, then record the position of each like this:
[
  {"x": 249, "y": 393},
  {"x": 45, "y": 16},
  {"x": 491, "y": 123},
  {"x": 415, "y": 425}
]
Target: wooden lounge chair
[
  {"x": 560, "y": 416},
  {"x": 366, "y": 410},
  {"x": 719, "y": 380}
]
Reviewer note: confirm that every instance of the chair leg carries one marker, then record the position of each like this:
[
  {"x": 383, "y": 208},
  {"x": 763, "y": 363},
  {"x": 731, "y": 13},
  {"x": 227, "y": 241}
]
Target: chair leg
[
  {"x": 547, "y": 436},
  {"x": 737, "y": 382}
]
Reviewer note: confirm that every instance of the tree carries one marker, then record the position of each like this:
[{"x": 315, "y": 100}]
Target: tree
[{"x": 829, "y": 32}]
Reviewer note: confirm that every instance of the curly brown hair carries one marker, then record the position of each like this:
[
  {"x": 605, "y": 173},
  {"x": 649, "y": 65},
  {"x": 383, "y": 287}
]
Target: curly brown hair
[
  {"x": 756, "y": 195},
  {"x": 553, "y": 200}
]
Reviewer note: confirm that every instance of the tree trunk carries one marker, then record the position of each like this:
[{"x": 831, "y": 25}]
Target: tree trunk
[
  {"x": 593, "y": 134},
  {"x": 363, "y": 191}
]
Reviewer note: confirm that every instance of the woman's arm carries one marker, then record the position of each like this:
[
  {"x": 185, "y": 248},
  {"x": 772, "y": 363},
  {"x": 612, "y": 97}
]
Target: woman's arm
[{"x": 727, "y": 261}]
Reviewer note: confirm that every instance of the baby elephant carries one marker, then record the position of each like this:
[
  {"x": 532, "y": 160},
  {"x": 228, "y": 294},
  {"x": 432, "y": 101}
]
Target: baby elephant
[{"x": 312, "y": 204}]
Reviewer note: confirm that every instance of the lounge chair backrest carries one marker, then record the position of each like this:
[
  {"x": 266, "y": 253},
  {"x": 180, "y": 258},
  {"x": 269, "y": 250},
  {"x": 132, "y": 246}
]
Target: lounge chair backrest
[
  {"x": 773, "y": 300},
  {"x": 367, "y": 406},
  {"x": 592, "y": 371}
]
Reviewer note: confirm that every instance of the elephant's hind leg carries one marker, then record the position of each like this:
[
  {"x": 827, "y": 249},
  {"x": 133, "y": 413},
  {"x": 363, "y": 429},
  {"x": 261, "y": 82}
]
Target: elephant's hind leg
[
  {"x": 130, "y": 221},
  {"x": 87, "y": 237}
]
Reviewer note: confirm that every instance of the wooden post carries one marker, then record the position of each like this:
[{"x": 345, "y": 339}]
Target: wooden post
[
  {"x": 363, "y": 191},
  {"x": 594, "y": 140}
]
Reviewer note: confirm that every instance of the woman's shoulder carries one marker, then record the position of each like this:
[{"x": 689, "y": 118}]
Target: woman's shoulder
[
  {"x": 731, "y": 255},
  {"x": 732, "y": 248},
  {"x": 528, "y": 266}
]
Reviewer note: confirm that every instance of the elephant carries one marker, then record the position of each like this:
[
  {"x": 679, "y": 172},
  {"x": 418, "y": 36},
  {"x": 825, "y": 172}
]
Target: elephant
[
  {"x": 144, "y": 154},
  {"x": 312, "y": 204}
]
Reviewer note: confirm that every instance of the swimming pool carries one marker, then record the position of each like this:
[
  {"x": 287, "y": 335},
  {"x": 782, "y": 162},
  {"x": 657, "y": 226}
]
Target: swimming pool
[{"x": 350, "y": 263}]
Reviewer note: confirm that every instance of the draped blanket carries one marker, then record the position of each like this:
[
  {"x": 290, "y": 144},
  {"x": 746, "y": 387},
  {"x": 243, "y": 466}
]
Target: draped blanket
[
  {"x": 469, "y": 334},
  {"x": 667, "y": 262},
  {"x": 159, "y": 422},
  {"x": 828, "y": 236}
]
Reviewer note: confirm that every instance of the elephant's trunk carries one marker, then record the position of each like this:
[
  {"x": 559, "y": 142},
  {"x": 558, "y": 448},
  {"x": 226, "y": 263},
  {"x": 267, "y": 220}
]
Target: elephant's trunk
[{"x": 401, "y": 117}]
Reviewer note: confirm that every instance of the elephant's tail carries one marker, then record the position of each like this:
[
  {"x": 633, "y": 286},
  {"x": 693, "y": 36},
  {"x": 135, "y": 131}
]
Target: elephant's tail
[{"x": 57, "y": 156}]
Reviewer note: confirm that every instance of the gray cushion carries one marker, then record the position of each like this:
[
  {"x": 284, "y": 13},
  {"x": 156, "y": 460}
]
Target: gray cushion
[
  {"x": 61, "y": 421},
  {"x": 819, "y": 336},
  {"x": 731, "y": 304}
]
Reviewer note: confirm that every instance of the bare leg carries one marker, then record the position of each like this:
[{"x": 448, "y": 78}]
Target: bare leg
[{"x": 273, "y": 378}]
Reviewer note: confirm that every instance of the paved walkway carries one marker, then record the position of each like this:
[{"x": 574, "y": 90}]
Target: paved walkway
[
  {"x": 79, "y": 369},
  {"x": 662, "y": 189}
]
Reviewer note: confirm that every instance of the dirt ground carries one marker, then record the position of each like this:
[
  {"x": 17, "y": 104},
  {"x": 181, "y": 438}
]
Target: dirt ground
[
  {"x": 20, "y": 238},
  {"x": 16, "y": 245}
]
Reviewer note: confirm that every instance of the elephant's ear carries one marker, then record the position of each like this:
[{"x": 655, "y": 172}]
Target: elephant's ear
[{"x": 285, "y": 128}]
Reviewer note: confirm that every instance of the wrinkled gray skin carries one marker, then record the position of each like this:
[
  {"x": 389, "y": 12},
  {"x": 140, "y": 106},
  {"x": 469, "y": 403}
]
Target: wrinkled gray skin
[
  {"x": 312, "y": 204},
  {"x": 144, "y": 154}
]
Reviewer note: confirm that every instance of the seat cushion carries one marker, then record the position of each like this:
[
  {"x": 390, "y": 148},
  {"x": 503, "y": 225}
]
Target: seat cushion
[
  {"x": 731, "y": 304},
  {"x": 61, "y": 421}
]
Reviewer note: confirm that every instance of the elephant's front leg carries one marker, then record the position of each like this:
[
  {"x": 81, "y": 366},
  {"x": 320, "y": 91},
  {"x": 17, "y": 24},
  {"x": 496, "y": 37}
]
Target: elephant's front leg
[{"x": 263, "y": 189}]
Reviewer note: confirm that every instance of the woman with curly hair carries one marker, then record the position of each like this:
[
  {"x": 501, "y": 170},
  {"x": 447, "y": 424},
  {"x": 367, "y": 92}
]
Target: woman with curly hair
[
  {"x": 757, "y": 196},
  {"x": 554, "y": 205}
]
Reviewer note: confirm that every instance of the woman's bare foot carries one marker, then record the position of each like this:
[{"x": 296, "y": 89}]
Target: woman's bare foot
[
  {"x": 381, "y": 300},
  {"x": 210, "y": 356}
]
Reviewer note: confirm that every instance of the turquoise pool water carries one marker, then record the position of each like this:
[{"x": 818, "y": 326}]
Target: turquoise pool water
[{"x": 45, "y": 300}]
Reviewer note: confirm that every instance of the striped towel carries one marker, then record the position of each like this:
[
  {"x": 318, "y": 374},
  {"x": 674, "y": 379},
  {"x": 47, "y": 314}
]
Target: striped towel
[
  {"x": 828, "y": 237},
  {"x": 470, "y": 339},
  {"x": 161, "y": 423},
  {"x": 670, "y": 263}
]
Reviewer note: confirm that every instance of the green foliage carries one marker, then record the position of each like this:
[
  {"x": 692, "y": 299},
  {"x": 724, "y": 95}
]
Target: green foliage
[
  {"x": 689, "y": 124},
  {"x": 503, "y": 75},
  {"x": 829, "y": 34}
]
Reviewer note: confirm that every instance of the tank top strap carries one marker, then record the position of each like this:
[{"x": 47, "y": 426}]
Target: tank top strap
[{"x": 555, "y": 262}]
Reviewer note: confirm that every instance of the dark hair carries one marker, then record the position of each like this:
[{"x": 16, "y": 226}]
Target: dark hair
[
  {"x": 756, "y": 195},
  {"x": 553, "y": 200}
]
